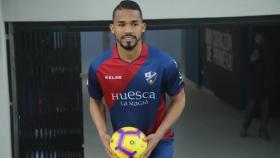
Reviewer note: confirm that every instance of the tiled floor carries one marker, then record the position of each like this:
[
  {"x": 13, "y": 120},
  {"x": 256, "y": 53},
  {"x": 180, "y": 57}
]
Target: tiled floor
[{"x": 209, "y": 128}]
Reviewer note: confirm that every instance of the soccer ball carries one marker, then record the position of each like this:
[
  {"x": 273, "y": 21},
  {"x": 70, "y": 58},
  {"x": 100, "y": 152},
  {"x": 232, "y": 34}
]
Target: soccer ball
[{"x": 127, "y": 142}]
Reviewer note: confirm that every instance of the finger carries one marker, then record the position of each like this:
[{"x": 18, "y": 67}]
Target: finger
[
  {"x": 148, "y": 138},
  {"x": 145, "y": 139},
  {"x": 108, "y": 138},
  {"x": 109, "y": 153},
  {"x": 147, "y": 154},
  {"x": 109, "y": 150}
]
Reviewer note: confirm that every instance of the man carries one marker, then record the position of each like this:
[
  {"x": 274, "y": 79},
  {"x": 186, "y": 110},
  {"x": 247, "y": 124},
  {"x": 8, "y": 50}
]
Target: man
[
  {"x": 261, "y": 83},
  {"x": 133, "y": 79}
]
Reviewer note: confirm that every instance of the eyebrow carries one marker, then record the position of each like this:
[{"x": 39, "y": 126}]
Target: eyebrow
[{"x": 133, "y": 21}]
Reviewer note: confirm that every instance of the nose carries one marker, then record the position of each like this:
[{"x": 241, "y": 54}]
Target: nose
[{"x": 128, "y": 29}]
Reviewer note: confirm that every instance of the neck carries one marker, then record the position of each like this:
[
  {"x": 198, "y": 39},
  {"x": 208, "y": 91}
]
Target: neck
[{"x": 129, "y": 55}]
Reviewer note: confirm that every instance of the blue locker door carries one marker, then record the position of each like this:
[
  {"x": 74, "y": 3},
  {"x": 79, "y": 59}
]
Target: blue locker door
[{"x": 192, "y": 56}]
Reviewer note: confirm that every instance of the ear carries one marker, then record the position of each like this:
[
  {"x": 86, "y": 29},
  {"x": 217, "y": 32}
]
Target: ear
[
  {"x": 144, "y": 27},
  {"x": 111, "y": 26}
]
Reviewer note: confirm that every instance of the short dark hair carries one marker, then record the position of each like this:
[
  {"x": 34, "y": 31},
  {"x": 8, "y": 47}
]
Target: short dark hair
[{"x": 127, "y": 4}]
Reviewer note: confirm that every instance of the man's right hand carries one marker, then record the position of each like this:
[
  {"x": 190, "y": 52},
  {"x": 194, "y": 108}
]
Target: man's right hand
[{"x": 105, "y": 139}]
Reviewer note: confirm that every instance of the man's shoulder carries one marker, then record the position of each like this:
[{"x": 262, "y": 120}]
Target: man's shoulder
[
  {"x": 159, "y": 54},
  {"x": 101, "y": 58}
]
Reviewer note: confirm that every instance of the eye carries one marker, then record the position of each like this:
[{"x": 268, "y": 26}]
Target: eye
[
  {"x": 121, "y": 24},
  {"x": 135, "y": 24}
]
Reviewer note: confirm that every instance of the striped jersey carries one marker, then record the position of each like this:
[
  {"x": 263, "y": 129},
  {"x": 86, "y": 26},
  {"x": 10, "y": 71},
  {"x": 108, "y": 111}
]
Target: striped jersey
[{"x": 135, "y": 91}]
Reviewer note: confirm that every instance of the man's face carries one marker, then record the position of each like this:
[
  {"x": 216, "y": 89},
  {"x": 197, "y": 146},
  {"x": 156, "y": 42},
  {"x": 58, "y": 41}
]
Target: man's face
[
  {"x": 258, "y": 38},
  {"x": 128, "y": 28}
]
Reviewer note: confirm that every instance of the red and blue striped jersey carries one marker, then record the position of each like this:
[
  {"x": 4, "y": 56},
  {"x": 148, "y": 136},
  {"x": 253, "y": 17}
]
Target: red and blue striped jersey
[{"x": 135, "y": 92}]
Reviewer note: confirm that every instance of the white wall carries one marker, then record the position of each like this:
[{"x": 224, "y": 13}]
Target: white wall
[
  {"x": 72, "y": 10},
  {"x": 5, "y": 133}
]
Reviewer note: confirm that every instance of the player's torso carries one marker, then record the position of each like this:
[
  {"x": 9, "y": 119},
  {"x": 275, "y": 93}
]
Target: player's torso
[
  {"x": 130, "y": 84},
  {"x": 134, "y": 91}
]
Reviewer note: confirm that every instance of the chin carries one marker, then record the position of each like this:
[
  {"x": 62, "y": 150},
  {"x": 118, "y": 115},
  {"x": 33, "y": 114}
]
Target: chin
[
  {"x": 132, "y": 45},
  {"x": 129, "y": 48}
]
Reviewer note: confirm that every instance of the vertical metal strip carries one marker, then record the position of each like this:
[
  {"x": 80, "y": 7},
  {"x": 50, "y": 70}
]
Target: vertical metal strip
[{"x": 15, "y": 116}]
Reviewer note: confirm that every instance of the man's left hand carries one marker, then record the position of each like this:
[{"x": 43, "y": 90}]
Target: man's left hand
[{"x": 152, "y": 141}]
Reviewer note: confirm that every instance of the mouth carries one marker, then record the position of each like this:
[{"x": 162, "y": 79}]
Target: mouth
[
  {"x": 128, "y": 42},
  {"x": 128, "y": 38}
]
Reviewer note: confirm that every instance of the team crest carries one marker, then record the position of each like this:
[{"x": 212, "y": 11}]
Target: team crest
[{"x": 151, "y": 77}]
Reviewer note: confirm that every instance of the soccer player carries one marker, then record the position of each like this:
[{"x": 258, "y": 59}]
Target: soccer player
[{"x": 134, "y": 78}]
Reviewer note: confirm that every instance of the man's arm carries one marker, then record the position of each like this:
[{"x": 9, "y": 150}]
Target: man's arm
[
  {"x": 175, "y": 109},
  {"x": 98, "y": 115}
]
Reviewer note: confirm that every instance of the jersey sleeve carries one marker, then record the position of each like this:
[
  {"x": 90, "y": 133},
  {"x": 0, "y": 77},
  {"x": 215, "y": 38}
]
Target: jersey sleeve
[
  {"x": 94, "y": 88},
  {"x": 174, "y": 80}
]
